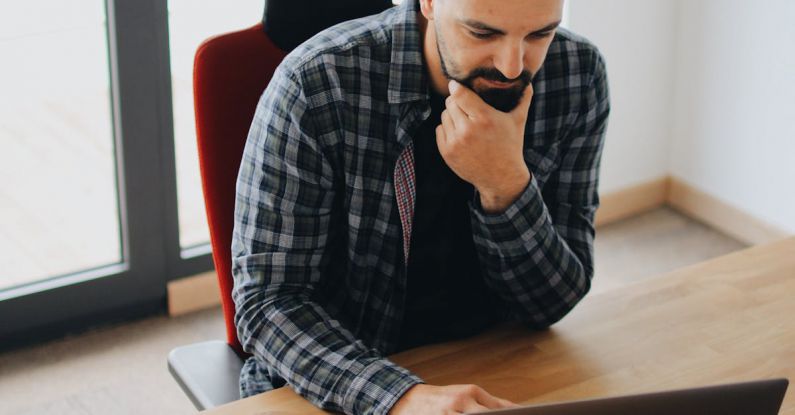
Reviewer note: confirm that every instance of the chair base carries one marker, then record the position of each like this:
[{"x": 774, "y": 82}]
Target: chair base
[{"x": 207, "y": 372}]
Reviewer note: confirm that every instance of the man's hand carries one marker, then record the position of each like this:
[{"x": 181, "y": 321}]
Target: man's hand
[
  {"x": 455, "y": 399},
  {"x": 483, "y": 145}
]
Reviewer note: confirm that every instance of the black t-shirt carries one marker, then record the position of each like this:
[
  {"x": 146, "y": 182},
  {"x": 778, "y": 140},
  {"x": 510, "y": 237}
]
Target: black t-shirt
[{"x": 446, "y": 295}]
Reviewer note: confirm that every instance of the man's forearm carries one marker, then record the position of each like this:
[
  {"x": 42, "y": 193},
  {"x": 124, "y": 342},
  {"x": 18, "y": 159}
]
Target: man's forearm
[
  {"x": 319, "y": 359},
  {"x": 528, "y": 263}
]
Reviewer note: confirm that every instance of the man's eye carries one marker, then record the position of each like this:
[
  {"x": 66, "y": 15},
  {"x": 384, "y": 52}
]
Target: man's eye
[
  {"x": 481, "y": 35},
  {"x": 542, "y": 35}
]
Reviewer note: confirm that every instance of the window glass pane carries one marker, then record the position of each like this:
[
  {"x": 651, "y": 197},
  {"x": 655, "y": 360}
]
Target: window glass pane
[
  {"x": 58, "y": 197},
  {"x": 191, "y": 22}
]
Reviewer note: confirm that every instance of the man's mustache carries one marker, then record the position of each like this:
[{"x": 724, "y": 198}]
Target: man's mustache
[{"x": 493, "y": 74}]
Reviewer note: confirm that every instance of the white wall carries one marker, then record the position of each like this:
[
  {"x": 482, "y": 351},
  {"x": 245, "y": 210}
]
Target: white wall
[
  {"x": 734, "y": 119},
  {"x": 703, "y": 90},
  {"x": 636, "y": 37}
]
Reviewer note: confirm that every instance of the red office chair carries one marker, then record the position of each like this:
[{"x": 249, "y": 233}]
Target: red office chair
[{"x": 229, "y": 74}]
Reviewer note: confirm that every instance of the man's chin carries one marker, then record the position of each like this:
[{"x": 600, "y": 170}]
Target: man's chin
[{"x": 503, "y": 99}]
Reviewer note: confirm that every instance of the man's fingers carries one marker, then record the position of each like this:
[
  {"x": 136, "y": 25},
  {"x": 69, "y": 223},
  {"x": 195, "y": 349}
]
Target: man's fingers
[
  {"x": 448, "y": 128},
  {"x": 448, "y": 121},
  {"x": 491, "y": 401},
  {"x": 524, "y": 103},
  {"x": 471, "y": 104},
  {"x": 456, "y": 113},
  {"x": 473, "y": 408},
  {"x": 441, "y": 138}
]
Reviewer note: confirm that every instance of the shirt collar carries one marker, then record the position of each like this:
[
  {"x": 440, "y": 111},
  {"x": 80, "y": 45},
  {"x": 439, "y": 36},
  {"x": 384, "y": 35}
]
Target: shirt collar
[{"x": 407, "y": 77}]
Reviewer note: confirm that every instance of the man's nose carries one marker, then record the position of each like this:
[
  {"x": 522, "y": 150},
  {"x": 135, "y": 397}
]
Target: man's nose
[{"x": 510, "y": 60}]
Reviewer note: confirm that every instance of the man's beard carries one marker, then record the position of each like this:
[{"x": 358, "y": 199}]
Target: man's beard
[{"x": 503, "y": 99}]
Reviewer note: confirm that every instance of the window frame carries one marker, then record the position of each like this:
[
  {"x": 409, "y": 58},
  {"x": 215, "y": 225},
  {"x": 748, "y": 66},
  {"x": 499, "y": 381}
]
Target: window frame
[{"x": 143, "y": 134}]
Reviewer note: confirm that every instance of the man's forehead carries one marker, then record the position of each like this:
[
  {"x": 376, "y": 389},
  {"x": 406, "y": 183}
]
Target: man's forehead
[{"x": 506, "y": 15}]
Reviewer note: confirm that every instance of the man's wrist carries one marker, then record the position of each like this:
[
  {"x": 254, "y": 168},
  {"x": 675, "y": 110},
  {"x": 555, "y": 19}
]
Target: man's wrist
[
  {"x": 402, "y": 401},
  {"x": 498, "y": 200}
]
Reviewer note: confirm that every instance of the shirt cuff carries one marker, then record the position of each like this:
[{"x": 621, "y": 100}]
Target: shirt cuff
[
  {"x": 522, "y": 219},
  {"x": 377, "y": 388}
]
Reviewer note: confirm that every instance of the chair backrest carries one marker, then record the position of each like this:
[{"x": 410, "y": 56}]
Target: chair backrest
[
  {"x": 229, "y": 74},
  {"x": 290, "y": 22}
]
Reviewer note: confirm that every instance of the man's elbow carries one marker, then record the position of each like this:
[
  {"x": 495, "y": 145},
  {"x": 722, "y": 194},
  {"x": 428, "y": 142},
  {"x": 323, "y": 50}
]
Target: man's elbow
[
  {"x": 544, "y": 318},
  {"x": 252, "y": 316}
]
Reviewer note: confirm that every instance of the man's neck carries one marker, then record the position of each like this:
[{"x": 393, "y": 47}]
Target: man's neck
[{"x": 430, "y": 51}]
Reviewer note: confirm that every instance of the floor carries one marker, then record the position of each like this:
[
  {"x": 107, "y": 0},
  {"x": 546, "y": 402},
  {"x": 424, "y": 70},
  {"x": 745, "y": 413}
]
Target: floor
[{"x": 122, "y": 370}]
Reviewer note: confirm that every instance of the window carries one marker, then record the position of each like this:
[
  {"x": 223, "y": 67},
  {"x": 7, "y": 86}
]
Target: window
[
  {"x": 58, "y": 209},
  {"x": 191, "y": 22},
  {"x": 89, "y": 231}
]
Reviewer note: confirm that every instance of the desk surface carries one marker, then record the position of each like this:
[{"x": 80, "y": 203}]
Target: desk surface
[{"x": 725, "y": 320}]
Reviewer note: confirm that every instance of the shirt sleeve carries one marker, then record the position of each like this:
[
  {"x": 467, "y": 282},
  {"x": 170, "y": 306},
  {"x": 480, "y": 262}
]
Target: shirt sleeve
[
  {"x": 283, "y": 224},
  {"x": 538, "y": 254}
]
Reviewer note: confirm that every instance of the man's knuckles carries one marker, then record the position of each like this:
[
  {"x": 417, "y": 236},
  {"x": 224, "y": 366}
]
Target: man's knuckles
[
  {"x": 469, "y": 102},
  {"x": 464, "y": 132},
  {"x": 447, "y": 119},
  {"x": 461, "y": 398},
  {"x": 441, "y": 138}
]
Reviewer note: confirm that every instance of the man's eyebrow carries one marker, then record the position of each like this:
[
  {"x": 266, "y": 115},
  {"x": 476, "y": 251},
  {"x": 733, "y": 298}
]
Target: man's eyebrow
[{"x": 474, "y": 24}]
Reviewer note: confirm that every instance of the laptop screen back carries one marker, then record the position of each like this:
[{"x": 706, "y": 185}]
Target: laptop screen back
[{"x": 758, "y": 398}]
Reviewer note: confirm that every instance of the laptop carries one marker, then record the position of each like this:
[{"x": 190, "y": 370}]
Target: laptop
[{"x": 762, "y": 397}]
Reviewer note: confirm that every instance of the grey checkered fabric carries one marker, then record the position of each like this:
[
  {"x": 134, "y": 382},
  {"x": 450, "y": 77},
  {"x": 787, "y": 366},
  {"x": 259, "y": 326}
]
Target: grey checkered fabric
[{"x": 325, "y": 197}]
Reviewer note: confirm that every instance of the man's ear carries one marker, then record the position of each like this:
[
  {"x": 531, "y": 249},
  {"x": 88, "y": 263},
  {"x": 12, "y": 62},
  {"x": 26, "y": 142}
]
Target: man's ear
[{"x": 426, "y": 7}]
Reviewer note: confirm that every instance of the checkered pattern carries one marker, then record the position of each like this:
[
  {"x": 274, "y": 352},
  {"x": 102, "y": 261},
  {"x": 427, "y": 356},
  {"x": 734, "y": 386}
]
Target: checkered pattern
[
  {"x": 325, "y": 199},
  {"x": 405, "y": 191}
]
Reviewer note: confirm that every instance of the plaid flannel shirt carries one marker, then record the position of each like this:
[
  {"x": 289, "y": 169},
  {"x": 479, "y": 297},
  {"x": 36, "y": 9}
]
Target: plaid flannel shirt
[{"x": 325, "y": 197}]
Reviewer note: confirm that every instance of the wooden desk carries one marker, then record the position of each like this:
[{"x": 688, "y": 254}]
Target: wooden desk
[{"x": 725, "y": 320}]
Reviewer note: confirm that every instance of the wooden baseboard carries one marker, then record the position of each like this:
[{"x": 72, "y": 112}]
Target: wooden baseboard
[
  {"x": 720, "y": 215},
  {"x": 632, "y": 201},
  {"x": 194, "y": 293}
]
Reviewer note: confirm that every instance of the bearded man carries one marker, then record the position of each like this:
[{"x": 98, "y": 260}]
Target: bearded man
[{"x": 414, "y": 177}]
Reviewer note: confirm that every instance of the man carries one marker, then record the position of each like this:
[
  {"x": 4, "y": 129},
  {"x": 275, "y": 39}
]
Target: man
[{"x": 414, "y": 177}]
